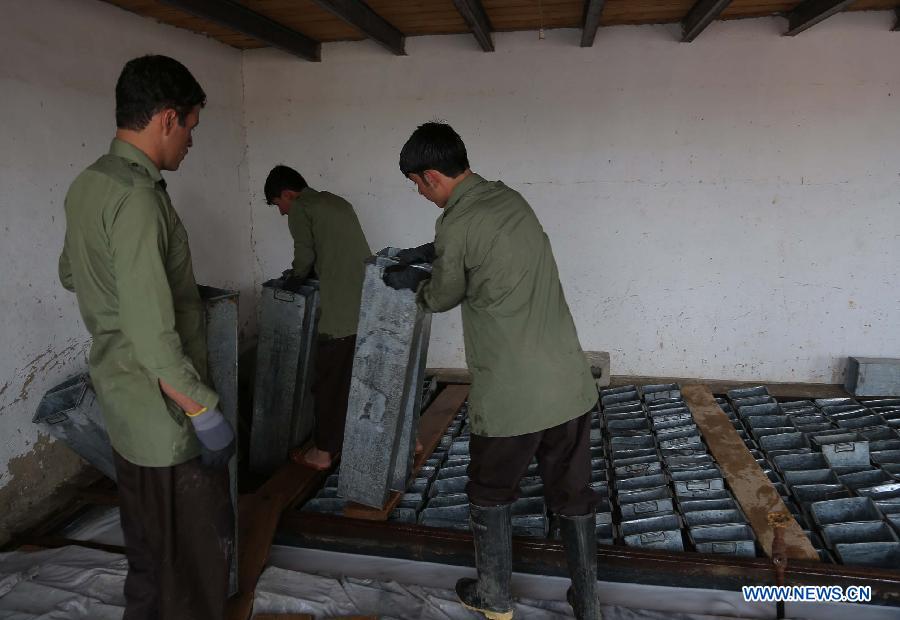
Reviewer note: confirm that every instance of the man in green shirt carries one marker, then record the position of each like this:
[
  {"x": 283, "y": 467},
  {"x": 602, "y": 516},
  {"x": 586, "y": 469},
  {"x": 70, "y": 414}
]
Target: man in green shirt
[
  {"x": 126, "y": 257},
  {"x": 532, "y": 391},
  {"x": 328, "y": 239}
]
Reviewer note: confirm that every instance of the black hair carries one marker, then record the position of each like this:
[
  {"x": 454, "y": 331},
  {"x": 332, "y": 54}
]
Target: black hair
[
  {"x": 434, "y": 146},
  {"x": 282, "y": 178},
  {"x": 150, "y": 84}
]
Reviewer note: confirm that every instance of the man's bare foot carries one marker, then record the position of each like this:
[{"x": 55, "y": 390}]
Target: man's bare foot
[{"x": 315, "y": 458}]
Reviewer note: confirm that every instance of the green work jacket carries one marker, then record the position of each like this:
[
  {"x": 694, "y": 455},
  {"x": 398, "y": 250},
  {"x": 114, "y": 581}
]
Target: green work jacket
[
  {"x": 327, "y": 236},
  {"x": 127, "y": 259},
  {"x": 493, "y": 257}
]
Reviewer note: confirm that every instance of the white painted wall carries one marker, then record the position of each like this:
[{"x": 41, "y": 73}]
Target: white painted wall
[
  {"x": 722, "y": 209},
  {"x": 59, "y": 63}
]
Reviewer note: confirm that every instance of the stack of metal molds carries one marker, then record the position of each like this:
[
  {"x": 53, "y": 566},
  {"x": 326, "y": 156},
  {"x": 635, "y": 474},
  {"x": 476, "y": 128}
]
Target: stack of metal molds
[
  {"x": 668, "y": 487},
  {"x": 436, "y": 497},
  {"x": 835, "y": 462},
  {"x": 445, "y": 503},
  {"x": 417, "y": 492},
  {"x": 600, "y": 463}
]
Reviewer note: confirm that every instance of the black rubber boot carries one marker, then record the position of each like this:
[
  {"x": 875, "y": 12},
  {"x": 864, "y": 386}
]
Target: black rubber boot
[
  {"x": 489, "y": 594},
  {"x": 580, "y": 538}
]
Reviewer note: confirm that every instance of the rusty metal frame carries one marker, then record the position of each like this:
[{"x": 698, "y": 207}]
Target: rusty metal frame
[{"x": 547, "y": 557}]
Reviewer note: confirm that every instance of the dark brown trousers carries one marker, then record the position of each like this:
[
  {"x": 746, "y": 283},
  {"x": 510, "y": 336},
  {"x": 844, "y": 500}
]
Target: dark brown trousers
[
  {"x": 179, "y": 534},
  {"x": 334, "y": 367},
  {"x": 563, "y": 453}
]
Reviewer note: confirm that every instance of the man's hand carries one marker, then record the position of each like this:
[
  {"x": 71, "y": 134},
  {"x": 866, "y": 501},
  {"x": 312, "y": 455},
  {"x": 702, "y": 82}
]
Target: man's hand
[
  {"x": 401, "y": 277},
  {"x": 216, "y": 438},
  {"x": 422, "y": 254},
  {"x": 292, "y": 284}
]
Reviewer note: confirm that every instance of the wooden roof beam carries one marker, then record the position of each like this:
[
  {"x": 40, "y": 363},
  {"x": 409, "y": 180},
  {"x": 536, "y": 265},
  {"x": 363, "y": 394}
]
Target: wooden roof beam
[
  {"x": 473, "y": 12},
  {"x": 358, "y": 14},
  {"x": 593, "y": 9},
  {"x": 238, "y": 17},
  {"x": 700, "y": 16},
  {"x": 811, "y": 12}
]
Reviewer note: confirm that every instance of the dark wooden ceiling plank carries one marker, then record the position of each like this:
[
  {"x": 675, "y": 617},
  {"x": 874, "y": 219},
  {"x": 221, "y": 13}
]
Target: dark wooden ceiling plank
[
  {"x": 241, "y": 19},
  {"x": 360, "y": 15},
  {"x": 811, "y": 12},
  {"x": 700, "y": 16},
  {"x": 473, "y": 12}
]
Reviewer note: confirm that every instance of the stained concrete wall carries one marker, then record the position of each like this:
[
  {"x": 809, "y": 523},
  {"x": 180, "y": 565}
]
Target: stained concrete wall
[
  {"x": 58, "y": 70},
  {"x": 726, "y": 208}
]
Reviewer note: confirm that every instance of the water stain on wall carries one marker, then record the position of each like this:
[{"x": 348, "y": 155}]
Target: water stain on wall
[{"x": 30, "y": 479}]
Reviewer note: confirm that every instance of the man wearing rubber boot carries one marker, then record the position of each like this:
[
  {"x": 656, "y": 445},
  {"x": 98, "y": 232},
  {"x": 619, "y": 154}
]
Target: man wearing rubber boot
[{"x": 532, "y": 390}]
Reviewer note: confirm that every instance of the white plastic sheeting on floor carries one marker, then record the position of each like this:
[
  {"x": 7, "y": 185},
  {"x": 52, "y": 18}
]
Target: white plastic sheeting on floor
[
  {"x": 538, "y": 596},
  {"x": 75, "y": 583},
  {"x": 283, "y": 591},
  {"x": 70, "y": 583},
  {"x": 99, "y": 524}
]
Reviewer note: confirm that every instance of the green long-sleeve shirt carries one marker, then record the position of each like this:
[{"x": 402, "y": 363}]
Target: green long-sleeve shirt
[
  {"x": 493, "y": 257},
  {"x": 127, "y": 259},
  {"x": 327, "y": 235}
]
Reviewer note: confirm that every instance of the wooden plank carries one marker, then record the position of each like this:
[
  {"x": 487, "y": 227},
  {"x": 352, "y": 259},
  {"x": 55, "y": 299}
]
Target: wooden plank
[
  {"x": 432, "y": 425},
  {"x": 437, "y": 418},
  {"x": 374, "y": 26},
  {"x": 441, "y": 17},
  {"x": 180, "y": 19},
  {"x": 593, "y": 10},
  {"x": 258, "y": 516},
  {"x": 811, "y": 12},
  {"x": 257, "y": 522},
  {"x": 306, "y": 17},
  {"x": 750, "y": 486},
  {"x": 473, "y": 12},
  {"x": 294, "y": 481},
  {"x": 238, "y": 17},
  {"x": 456, "y": 376},
  {"x": 418, "y": 18},
  {"x": 531, "y": 15},
  {"x": 701, "y": 15},
  {"x": 598, "y": 360}
]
